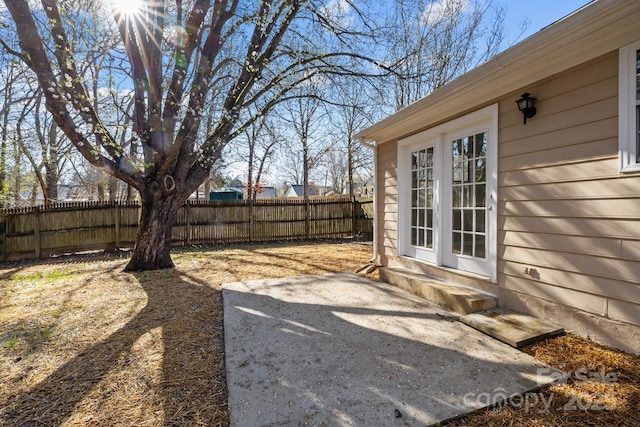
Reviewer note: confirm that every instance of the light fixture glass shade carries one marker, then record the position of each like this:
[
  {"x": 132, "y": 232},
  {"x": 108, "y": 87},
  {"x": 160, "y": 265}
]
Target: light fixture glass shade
[{"x": 525, "y": 105}]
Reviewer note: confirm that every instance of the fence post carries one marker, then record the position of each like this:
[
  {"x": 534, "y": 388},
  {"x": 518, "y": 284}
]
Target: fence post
[
  {"x": 3, "y": 237},
  {"x": 36, "y": 231},
  {"x": 354, "y": 216},
  {"x": 307, "y": 217},
  {"x": 187, "y": 214},
  {"x": 251, "y": 220},
  {"x": 117, "y": 224}
]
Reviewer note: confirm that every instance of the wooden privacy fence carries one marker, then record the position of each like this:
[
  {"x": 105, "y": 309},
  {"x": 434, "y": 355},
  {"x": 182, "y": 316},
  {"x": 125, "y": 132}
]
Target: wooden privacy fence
[{"x": 38, "y": 232}]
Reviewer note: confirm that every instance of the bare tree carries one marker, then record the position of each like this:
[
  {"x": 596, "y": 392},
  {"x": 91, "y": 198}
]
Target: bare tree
[
  {"x": 306, "y": 141},
  {"x": 355, "y": 113},
  {"x": 255, "y": 149},
  {"x": 46, "y": 133},
  {"x": 13, "y": 98},
  {"x": 431, "y": 42},
  {"x": 337, "y": 170},
  {"x": 179, "y": 56},
  {"x": 8, "y": 70}
]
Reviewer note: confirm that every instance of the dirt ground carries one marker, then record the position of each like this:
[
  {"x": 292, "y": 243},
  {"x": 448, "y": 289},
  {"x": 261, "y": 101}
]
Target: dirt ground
[{"x": 83, "y": 343}]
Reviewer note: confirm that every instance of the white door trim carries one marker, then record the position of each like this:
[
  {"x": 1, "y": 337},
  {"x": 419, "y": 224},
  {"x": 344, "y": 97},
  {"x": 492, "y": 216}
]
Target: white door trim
[
  {"x": 404, "y": 199},
  {"x": 485, "y": 118}
]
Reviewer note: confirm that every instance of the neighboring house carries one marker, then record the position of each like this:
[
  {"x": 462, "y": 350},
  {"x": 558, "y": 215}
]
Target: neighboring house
[
  {"x": 362, "y": 189},
  {"x": 242, "y": 189},
  {"x": 239, "y": 192},
  {"x": 199, "y": 194},
  {"x": 66, "y": 193},
  {"x": 545, "y": 215},
  {"x": 267, "y": 193},
  {"x": 295, "y": 190},
  {"x": 71, "y": 192},
  {"x": 226, "y": 194}
]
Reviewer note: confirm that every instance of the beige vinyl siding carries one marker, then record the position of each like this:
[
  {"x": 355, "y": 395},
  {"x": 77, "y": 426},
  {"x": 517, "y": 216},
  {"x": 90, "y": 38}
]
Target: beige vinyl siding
[
  {"x": 621, "y": 230},
  {"x": 625, "y": 187},
  {"x": 566, "y": 279},
  {"x": 583, "y": 171},
  {"x": 569, "y": 223},
  {"x": 388, "y": 195}
]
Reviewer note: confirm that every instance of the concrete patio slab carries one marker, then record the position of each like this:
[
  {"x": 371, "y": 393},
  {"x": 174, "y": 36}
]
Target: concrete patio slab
[{"x": 342, "y": 350}]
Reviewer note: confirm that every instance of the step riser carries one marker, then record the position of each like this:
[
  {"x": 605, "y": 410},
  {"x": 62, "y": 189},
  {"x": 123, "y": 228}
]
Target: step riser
[
  {"x": 479, "y": 309},
  {"x": 457, "y": 298}
]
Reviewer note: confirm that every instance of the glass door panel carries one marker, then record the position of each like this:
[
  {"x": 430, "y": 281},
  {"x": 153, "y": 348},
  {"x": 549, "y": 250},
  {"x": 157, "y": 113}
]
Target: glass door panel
[
  {"x": 468, "y": 190},
  {"x": 422, "y": 179}
]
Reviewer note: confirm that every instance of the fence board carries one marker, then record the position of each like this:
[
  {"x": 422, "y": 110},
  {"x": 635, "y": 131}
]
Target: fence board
[{"x": 74, "y": 227}]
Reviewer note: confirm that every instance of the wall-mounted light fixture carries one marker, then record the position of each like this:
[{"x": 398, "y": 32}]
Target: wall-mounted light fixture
[{"x": 525, "y": 105}]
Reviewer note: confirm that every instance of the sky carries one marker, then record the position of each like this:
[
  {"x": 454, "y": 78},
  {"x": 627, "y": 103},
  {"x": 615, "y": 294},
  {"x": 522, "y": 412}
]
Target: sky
[{"x": 540, "y": 13}]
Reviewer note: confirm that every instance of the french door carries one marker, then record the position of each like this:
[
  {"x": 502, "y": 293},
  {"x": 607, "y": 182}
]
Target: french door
[
  {"x": 447, "y": 186},
  {"x": 424, "y": 168}
]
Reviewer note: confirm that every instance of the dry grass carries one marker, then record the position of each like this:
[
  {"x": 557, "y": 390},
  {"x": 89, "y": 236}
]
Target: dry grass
[{"x": 82, "y": 343}]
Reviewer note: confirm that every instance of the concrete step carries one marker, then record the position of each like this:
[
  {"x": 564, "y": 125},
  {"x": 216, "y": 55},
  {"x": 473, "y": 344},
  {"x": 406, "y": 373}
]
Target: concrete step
[
  {"x": 461, "y": 299},
  {"x": 513, "y": 328}
]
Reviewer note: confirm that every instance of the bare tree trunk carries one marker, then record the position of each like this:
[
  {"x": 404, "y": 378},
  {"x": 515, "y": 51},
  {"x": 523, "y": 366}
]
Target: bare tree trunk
[
  {"x": 3, "y": 140},
  {"x": 130, "y": 191},
  {"x": 3, "y": 166},
  {"x": 350, "y": 169},
  {"x": 100, "y": 191},
  {"x": 153, "y": 239},
  {"x": 34, "y": 195},
  {"x": 130, "y": 188},
  {"x": 17, "y": 172},
  {"x": 305, "y": 187},
  {"x": 113, "y": 189},
  {"x": 207, "y": 188},
  {"x": 251, "y": 190},
  {"x": 51, "y": 165}
]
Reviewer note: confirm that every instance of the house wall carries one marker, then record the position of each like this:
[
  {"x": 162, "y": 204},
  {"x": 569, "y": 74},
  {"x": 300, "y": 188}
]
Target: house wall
[
  {"x": 386, "y": 216},
  {"x": 568, "y": 221}
]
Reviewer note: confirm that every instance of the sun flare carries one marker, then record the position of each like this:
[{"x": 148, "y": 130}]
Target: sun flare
[{"x": 127, "y": 7}]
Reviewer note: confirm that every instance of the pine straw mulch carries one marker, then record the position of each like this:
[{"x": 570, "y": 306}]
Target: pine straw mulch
[
  {"x": 603, "y": 389},
  {"x": 83, "y": 343}
]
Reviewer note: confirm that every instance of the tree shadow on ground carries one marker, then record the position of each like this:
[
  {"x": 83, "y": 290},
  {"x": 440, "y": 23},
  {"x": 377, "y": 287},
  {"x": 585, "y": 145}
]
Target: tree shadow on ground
[
  {"x": 342, "y": 350},
  {"x": 171, "y": 352}
]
